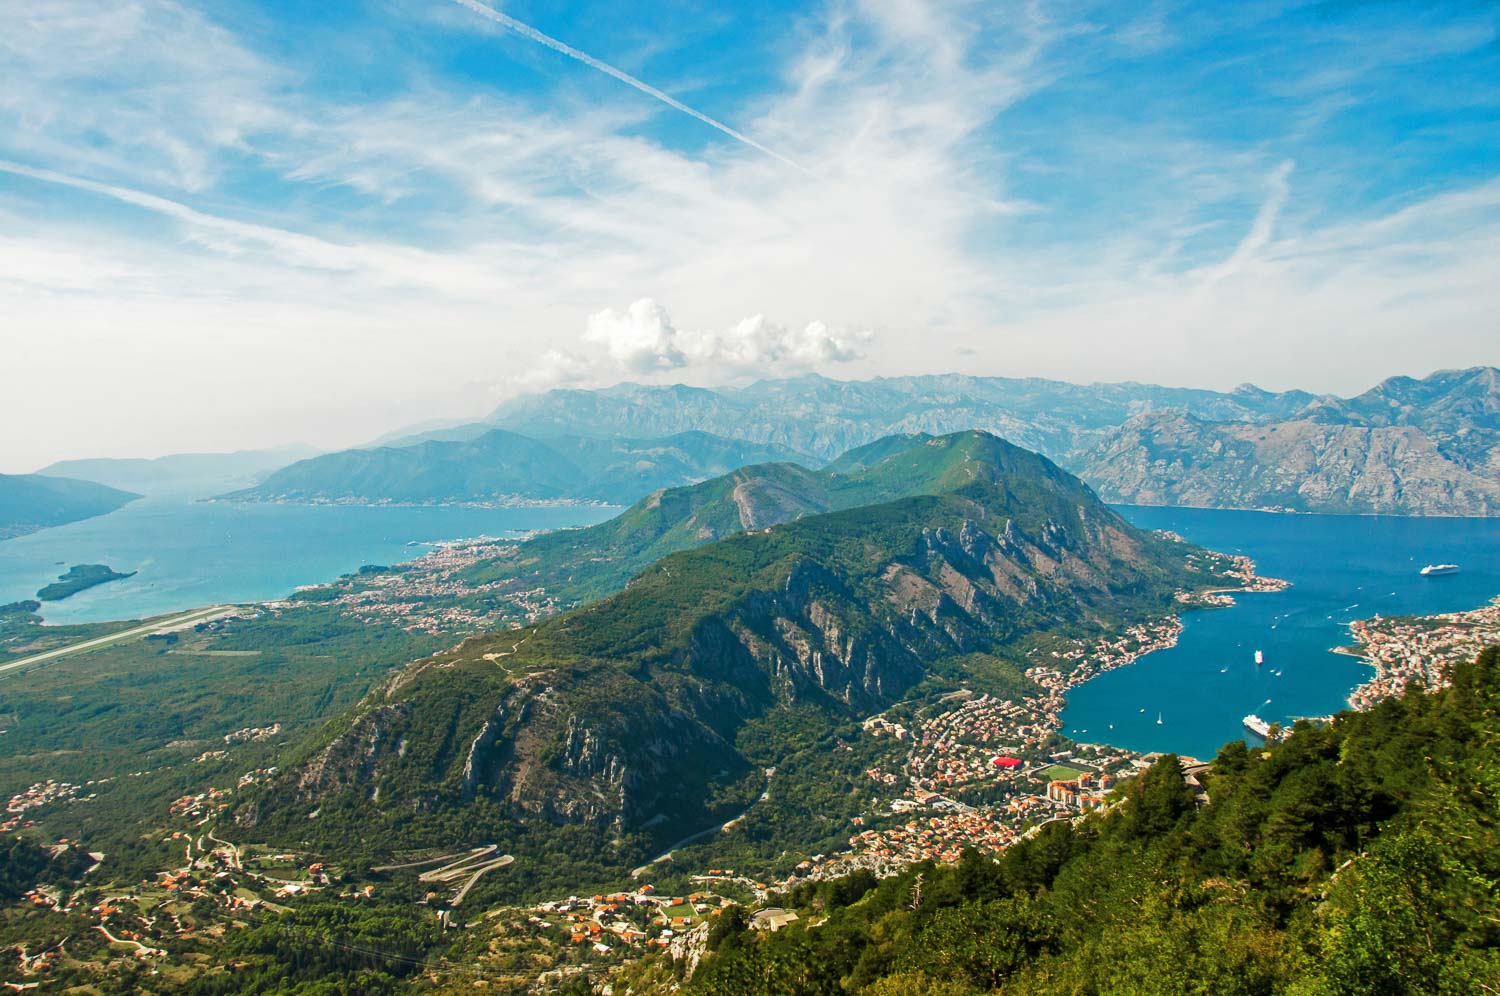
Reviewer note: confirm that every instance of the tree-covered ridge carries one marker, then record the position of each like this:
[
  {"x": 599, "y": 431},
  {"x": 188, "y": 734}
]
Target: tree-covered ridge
[
  {"x": 580, "y": 565},
  {"x": 1360, "y": 857},
  {"x": 656, "y": 708}
]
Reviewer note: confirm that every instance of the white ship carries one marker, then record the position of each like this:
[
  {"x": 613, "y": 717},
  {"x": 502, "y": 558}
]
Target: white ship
[
  {"x": 1260, "y": 658},
  {"x": 1435, "y": 570},
  {"x": 1257, "y": 726}
]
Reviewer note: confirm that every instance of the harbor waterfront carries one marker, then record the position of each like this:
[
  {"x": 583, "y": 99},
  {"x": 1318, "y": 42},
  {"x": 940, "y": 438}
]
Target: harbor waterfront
[{"x": 1342, "y": 569}]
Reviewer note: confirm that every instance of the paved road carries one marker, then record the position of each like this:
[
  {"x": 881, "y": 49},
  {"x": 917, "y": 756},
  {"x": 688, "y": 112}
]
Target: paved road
[{"x": 196, "y": 616}]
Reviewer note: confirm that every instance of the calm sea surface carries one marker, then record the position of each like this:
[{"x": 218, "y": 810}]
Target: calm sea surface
[
  {"x": 197, "y": 553},
  {"x": 1341, "y": 568}
]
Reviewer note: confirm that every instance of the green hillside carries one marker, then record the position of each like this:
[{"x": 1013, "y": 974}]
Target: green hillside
[
  {"x": 579, "y": 565},
  {"x": 29, "y": 502}
]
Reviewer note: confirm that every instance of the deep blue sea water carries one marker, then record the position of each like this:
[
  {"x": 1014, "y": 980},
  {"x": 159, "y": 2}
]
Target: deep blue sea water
[
  {"x": 1341, "y": 568},
  {"x": 197, "y": 553}
]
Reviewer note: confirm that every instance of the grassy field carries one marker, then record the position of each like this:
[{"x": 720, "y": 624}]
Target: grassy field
[{"x": 1062, "y": 773}]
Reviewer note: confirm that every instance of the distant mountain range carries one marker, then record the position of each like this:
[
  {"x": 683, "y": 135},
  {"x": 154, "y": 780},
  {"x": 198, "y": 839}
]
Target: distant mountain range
[
  {"x": 823, "y": 418},
  {"x": 500, "y": 465},
  {"x": 1407, "y": 446},
  {"x": 29, "y": 502},
  {"x": 1428, "y": 447},
  {"x": 657, "y": 707},
  {"x": 182, "y": 474}
]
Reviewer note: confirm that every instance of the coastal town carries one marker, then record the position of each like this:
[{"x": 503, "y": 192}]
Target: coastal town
[
  {"x": 428, "y": 595},
  {"x": 1418, "y": 650},
  {"x": 980, "y": 770}
]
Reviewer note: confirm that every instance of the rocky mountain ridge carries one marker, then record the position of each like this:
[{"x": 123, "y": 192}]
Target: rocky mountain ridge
[{"x": 1301, "y": 465}]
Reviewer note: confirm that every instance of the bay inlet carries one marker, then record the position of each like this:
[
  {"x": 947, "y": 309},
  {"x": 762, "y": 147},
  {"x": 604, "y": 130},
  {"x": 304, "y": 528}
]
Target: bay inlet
[{"x": 1341, "y": 568}]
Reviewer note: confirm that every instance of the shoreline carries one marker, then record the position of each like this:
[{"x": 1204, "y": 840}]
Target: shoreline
[
  {"x": 1417, "y": 650},
  {"x": 515, "y": 502},
  {"x": 1292, "y": 511}
]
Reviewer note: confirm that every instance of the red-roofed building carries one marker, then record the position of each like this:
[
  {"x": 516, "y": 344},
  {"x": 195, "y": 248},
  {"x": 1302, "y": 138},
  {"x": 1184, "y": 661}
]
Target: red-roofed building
[{"x": 1006, "y": 762}]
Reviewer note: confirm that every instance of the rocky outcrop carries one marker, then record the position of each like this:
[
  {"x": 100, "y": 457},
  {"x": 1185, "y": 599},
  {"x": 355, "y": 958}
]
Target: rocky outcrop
[{"x": 1301, "y": 465}]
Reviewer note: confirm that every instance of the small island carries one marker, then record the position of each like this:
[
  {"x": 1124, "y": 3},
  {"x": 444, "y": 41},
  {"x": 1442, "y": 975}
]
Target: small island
[{"x": 80, "y": 577}]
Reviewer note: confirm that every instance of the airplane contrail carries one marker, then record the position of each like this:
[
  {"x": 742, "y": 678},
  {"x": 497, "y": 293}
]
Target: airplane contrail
[{"x": 527, "y": 31}]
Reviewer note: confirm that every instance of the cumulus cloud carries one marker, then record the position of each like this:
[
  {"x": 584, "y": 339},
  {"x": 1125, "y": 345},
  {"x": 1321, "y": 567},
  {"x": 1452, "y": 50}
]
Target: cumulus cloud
[
  {"x": 642, "y": 341},
  {"x": 639, "y": 340}
]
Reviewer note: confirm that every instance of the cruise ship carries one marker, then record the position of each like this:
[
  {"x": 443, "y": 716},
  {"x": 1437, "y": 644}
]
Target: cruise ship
[
  {"x": 1434, "y": 570},
  {"x": 1257, "y": 726}
]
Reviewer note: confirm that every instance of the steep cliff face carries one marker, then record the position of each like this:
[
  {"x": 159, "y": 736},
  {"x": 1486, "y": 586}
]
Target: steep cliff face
[
  {"x": 1302, "y": 465},
  {"x": 638, "y": 711}
]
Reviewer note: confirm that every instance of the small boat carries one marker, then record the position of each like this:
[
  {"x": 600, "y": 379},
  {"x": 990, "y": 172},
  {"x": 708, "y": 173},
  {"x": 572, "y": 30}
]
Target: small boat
[
  {"x": 1158, "y": 719},
  {"x": 1438, "y": 570},
  {"x": 1260, "y": 658}
]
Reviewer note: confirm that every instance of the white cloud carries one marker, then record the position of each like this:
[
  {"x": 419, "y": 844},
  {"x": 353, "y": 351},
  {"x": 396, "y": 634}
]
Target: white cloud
[
  {"x": 639, "y": 340},
  {"x": 642, "y": 342}
]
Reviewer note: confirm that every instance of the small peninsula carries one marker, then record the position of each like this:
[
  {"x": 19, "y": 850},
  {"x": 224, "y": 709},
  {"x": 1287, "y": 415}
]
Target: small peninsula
[{"x": 80, "y": 577}]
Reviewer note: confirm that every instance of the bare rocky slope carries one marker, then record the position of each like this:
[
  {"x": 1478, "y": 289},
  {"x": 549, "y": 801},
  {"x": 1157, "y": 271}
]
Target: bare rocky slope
[{"x": 1300, "y": 465}]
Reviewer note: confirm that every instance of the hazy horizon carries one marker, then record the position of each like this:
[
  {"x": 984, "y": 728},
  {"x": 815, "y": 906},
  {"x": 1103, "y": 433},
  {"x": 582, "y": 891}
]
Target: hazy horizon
[{"x": 379, "y": 434}]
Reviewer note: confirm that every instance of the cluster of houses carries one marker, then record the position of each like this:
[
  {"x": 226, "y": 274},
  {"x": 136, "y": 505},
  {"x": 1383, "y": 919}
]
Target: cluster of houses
[
  {"x": 632, "y": 918},
  {"x": 251, "y": 733},
  {"x": 34, "y": 797},
  {"x": 1419, "y": 651},
  {"x": 1087, "y": 791},
  {"x": 425, "y": 595},
  {"x": 1079, "y": 662}
]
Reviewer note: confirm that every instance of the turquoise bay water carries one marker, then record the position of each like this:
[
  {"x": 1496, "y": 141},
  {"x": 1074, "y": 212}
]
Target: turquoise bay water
[
  {"x": 1341, "y": 568},
  {"x": 189, "y": 553}
]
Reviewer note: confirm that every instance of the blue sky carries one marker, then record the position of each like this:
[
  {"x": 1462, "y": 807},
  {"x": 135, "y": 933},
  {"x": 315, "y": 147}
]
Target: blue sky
[{"x": 248, "y": 223}]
